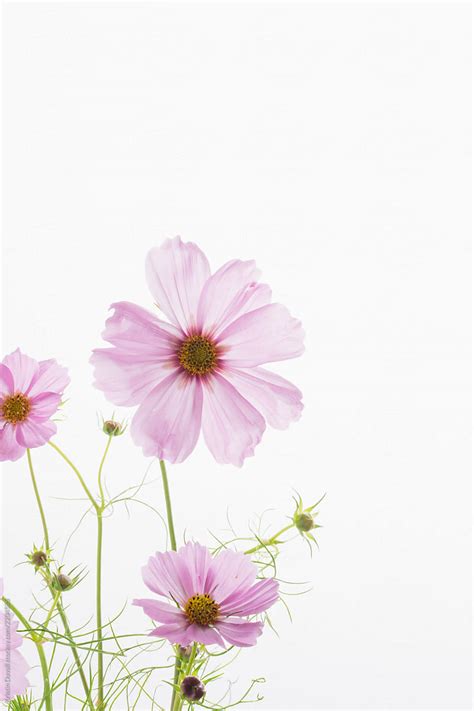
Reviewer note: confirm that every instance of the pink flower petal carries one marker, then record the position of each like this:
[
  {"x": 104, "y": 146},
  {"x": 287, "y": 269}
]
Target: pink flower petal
[
  {"x": 10, "y": 449},
  {"x": 51, "y": 377},
  {"x": 204, "y": 635},
  {"x": 31, "y": 433},
  {"x": 7, "y": 386},
  {"x": 230, "y": 572},
  {"x": 144, "y": 354},
  {"x": 277, "y": 399},
  {"x": 161, "y": 611},
  {"x": 229, "y": 293},
  {"x": 13, "y": 680},
  {"x": 166, "y": 574},
  {"x": 258, "y": 598},
  {"x": 240, "y": 633},
  {"x": 23, "y": 369},
  {"x": 176, "y": 273},
  {"x": 267, "y": 334},
  {"x": 232, "y": 427},
  {"x": 44, "y": 406},
  {"x": 167, "y": 423},
  {"x": 176, "y": 634},
  {"x": 198, "y": 561}
]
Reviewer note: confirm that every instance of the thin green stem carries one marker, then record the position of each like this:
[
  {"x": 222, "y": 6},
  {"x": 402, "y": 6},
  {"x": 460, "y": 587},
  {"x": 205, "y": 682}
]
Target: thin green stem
[
  {"x": 269, "y": 541},
  {"x": 169, "y": 512},
  {"x": 99, "y": 477},
  {"x": 47, "y": 696},
  {"x": 53, "y": 607},
  {"x": 77, "y": 473},
  {"x": 100, "y": 646},
  {"x": 75, "y": 654},
  {"x": 38, "y": 500}
]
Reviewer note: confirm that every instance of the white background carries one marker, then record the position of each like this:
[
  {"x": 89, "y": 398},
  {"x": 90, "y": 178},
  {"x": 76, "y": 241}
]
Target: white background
[{"x": 330, "y": 142}]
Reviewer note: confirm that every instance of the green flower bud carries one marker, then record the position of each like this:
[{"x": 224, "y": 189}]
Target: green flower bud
[
  {"x": 112, "y": 428},
  {"x": 38, "y": 558},
  {"x": 304, "y": 522},
  {"x": 63, "y": 581}
]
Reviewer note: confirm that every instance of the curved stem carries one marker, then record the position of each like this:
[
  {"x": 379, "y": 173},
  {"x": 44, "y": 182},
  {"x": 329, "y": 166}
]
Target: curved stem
[
  {"x": 38, "y": 500},
  {"x": 270, "y": 541},
  {"x": 98, "y": 598},
  {"x": 77, "y": 473},
  {"x": 169, "y": 512},
  {"x": 47, "y": 696},
  {"x": 99, "y": 476},
  {"x": 75, "y": 654}
]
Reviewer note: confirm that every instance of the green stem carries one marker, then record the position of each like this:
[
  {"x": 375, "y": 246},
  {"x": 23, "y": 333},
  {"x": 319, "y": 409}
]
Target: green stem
[
  {"x": 77, "y": 473},
  {"x": 38, "y": 501},
  {"x": 169, "y": 514},
  {"x": 47, "y": 696},
  {"x": 100, "y": 646},
  {"x": 53, "y": 607},
  {"x": 62, "y": 614},
  {"x": 99, "y": 476},
  {"x": 270, "y": 541}
]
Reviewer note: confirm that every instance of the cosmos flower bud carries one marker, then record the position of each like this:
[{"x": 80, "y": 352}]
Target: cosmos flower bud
[
  {"x": 192, "y": 688},
  {"x": 112, "y": 428},
  {"x": 304, "y": 522},
  {"x": 185, "y": 652},
  {"x": 64, "y": 581},
  {"x": 38, "y": 558}
]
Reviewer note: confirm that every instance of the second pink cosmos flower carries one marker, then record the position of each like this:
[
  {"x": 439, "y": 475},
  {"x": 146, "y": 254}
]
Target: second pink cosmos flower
[{"x": 202, "y": 369}]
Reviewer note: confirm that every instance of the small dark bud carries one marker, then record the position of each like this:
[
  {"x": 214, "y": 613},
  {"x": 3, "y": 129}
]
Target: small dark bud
[
  {"x": 38, "y": 558},
  {"x": 112, "y": 428},
  {"x": 192, "y": 688},
  {"x": 304, "y": 522},
  {"x": 64, "y": 581},
  {"x": 185, "y": 652}
]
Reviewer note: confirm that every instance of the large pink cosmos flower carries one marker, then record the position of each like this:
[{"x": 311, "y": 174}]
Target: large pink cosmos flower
[
  {"x": 13, "y": 666},
  {"x": 211, "y": 598},
  {"x": 203, "y": 368},
  {"x": 30, "y": 393}
]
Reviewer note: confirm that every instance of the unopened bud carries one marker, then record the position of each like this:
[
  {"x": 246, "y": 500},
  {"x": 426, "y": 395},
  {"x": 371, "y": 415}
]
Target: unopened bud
[
  {"x": 64, "y": 581},
  {"x": 38, "y": 558},
  {"x": 185, "y": 652},
  {"x": 304, "y": 522},
  {"x": 112, "y": 428},
  {"x": 192, "y": 688}
]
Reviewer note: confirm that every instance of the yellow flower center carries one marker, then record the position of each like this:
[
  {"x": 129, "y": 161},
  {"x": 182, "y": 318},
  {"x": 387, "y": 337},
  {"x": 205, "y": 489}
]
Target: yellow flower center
[
  {"x": 197, "y": 355},
  {"x": 201, "y": 609},
  {"x": 15, "y": 408}
]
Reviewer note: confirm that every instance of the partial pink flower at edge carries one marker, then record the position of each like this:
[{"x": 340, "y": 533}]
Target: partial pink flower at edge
[
  {"x": 210, "y": 599},
  {"x": 202, "y": 370},
  {"x": 13, "y": 666},
  {"x": 30, "y": 394}
]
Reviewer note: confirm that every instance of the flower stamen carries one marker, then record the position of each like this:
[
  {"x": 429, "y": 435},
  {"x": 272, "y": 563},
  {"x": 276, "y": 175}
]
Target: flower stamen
[
  {"x": 198, "y": 355},
  {"x": 16, "y": 408},
  {"x": 201, "y": 609}
]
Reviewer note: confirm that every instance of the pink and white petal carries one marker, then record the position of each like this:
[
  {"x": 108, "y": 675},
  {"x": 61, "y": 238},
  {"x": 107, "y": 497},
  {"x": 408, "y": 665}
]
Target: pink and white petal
[
  {"x": 176, "y": 273},
  {"x": 7, "y": 386},
  {"x": 228, "y": 293},
  {"x": 262, "y": 595},
  {"x": 133, "y": 329},
  {"x": 161, "y": 611},
  {"x": 23, "y": 369},
  {"x": 13, "y": 669},
  {"x": 204, "y": 635},
  {"x": 176, "y": 634},
  {"x": 230, "y": 573},
  {"x": 240, "y": 633},
  {"x": 166, "y": 574},
  {"x": 198, "y": 562},
  {"x": 44, "y": 405},
  {"x": 168, "y": 422},
  {"x": 277, "y": 399},
  {"x": 232, "y": 427},
  {"x": 51, "y": 377},
  {"x": 127, "y": 378},
  {"x": 264, "y": 335},
  {"x": 10, "y": 449},
  {"x": 31, "y": 433}
]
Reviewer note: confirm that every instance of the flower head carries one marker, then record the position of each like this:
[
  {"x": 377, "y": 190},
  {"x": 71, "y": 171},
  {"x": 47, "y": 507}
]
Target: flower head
[
  {"x": 30, "y": 394},
  {"x": 202, "y": 368},
  {"x": 210, "y": 599},
  {"x": 13, "y": 666}
]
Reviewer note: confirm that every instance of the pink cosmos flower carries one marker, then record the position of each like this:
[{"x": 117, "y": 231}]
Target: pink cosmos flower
[
  {"x": 30, "y": 393},
  {"x": 13, "y": 666},
  {"x": 211, "y": 598},
  {"x": 203, "y": 367}
]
